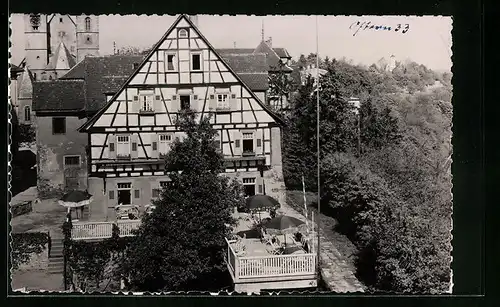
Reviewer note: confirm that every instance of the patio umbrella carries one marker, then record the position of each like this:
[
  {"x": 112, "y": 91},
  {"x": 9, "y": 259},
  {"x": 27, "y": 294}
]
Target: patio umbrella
[
  {"x": 261, "y": 203},
  {"x": 283, "y": 224},
  {"x": 75, "y": 199}
]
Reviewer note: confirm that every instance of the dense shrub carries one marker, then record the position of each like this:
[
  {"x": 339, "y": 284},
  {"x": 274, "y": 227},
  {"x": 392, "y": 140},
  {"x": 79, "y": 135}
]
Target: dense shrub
[
  {"x": 24, "y": 245},
  {"x": 399, "y": 247}
]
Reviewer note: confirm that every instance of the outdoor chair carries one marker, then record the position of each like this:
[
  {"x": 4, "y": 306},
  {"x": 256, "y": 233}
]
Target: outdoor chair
[
  {"x": 265, "y": 238},
  {"x": 239, "y": 247}
]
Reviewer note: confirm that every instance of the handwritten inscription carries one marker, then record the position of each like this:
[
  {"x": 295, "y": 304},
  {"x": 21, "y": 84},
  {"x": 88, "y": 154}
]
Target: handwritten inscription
[{"x": 361, "y": 26}]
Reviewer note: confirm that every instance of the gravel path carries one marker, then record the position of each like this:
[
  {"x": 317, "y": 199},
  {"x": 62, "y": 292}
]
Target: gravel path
[{"x": 336, "y": 272}]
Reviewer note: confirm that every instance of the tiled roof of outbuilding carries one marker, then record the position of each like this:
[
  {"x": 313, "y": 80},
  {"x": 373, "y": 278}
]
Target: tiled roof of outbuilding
[{"x": 58, "y": 95}]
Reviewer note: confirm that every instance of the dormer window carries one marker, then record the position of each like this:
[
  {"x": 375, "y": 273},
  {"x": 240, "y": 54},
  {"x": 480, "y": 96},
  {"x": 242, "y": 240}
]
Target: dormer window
[
  {"x": 60, "y": 20},
  {"x": 183, "y": 33}
]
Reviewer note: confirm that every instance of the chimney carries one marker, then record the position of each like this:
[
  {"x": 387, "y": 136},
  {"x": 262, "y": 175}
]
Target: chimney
[{"x": 194, "y": 20}]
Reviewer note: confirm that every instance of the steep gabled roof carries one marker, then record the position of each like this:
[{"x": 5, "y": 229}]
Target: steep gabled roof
[
  {"x": 251, "y": 67},
  {"x": 92, "y": 120},
  {"x": 225, "y": 51},
  {"x": 282, "y": 53},
  {"x": 256, "y": 81},
  {"x": 59, "y": 95},
  {"x": 102, "y": 75},
  {"x": 273, "y": 60},
  {"x": 61, "y": 59},
  {"x": 247, "y": 62}
]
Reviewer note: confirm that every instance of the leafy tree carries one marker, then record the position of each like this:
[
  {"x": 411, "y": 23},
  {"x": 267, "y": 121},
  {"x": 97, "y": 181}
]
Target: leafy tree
[
  {"x": 181, "y": 245},
  {"x": 378, "y": 128},
  {"x": 394, "y": 200}
]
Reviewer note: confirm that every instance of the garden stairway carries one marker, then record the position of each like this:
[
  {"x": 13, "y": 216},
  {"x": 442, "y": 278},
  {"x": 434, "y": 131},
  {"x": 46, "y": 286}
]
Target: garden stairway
[{"x": 56, "y": 259}]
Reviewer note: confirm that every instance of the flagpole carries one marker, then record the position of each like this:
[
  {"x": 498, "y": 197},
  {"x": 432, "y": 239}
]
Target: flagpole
[
  {"x": 317, "y": 138},
  {"x": 305, "y": 200}
]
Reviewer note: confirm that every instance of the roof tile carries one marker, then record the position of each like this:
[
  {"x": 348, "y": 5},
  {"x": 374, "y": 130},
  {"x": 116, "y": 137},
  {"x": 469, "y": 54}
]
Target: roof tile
[{"x": 58, "y": 95}]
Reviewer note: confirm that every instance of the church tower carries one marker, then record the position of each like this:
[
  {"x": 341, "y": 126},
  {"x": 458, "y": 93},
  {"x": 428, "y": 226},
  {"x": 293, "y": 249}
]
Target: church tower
[
  {"x": 37, "y": 42},
  {"x": 62, "y": 29},
  {"x": 87, "y": 36}
]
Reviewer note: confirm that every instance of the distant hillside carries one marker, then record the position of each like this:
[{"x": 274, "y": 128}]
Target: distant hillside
[{"x": 389, "y": 185}]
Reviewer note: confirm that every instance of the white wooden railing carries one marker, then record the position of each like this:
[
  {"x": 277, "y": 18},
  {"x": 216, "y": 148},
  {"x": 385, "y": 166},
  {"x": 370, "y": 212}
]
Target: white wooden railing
[
  {"x": 102, "y": 230},
  {"x": 242, "y": 267}
]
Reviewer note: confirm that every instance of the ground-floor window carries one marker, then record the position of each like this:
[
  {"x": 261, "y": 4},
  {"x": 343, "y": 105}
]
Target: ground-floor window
[
  {"x": 124, "y": 193},
  {"x": 249, "y": 186}
]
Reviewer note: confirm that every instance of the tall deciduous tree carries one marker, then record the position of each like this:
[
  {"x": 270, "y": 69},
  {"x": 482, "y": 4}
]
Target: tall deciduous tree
[{"x": 181, "y": 245}]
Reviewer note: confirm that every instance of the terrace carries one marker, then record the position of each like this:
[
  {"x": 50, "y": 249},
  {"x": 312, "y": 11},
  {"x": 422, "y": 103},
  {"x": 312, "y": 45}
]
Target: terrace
[{"x": 256, "y": 263}]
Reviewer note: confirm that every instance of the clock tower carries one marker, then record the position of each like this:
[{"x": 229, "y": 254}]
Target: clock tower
[{"x": 37, "y": 43}]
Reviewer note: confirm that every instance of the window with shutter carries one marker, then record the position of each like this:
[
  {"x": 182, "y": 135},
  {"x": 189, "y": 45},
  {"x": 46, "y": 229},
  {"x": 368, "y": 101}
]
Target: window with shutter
[
  {"x": 165, "y": 142},
  {"x": 237, "y": 143},
  {"x": 137, "y": 193},
  {"x": 155, "y": 146},
  {"x": 111, "y": 146},
  {"x": 111, "y": 194},
  {"x": 123, "y": 144},
  {"x": 134, "y": 146}
]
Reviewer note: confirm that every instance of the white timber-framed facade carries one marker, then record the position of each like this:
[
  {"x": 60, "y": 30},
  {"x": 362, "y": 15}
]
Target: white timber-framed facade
[{"x": 129, "y": 136}]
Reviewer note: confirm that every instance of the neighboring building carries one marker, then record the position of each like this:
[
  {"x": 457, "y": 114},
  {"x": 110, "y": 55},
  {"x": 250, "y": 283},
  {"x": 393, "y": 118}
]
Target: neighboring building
[
  {"x": 63, "y": 105},
  {"x": 311, "y": 71},
  {"x": 15, "y": 72},
  {"x": 24, "y": 98},
  {"x": 79, "y": 36},
  {"x": 387, "y": 65},
  {"x": 131, "y": 133},
  {"x": 54, "y": 44},
  {"x": 278, "y": 61}
]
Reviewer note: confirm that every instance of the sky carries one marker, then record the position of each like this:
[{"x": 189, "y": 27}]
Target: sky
[{"x": 428, "y": 39}]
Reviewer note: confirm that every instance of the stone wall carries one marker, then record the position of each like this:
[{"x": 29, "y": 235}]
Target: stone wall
[{"x": 51, "y": 150}]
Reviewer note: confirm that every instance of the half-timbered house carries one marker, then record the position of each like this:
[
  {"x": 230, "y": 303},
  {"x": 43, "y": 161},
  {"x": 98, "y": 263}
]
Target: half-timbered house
[{"x": 130, "y": 135}]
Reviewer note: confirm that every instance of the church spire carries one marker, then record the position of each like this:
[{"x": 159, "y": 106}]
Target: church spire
[{"x": 262, "y": 31}]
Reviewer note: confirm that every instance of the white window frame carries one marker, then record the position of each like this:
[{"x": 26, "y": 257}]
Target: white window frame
[
  {"x": 164, "y": 142},
  {"x": 72, "y": 165},
  {"x": 174, "y": 61},
  {"x": 146, "y": 103},
  {"x": 123, "y": 145},
  {"x": 223, "y": 100},
  {"x": 201, "y": 60}
]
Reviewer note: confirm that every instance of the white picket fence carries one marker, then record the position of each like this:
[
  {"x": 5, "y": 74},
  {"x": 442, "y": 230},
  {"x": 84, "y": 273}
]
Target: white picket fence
[{"x": 102, "y": 230}]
